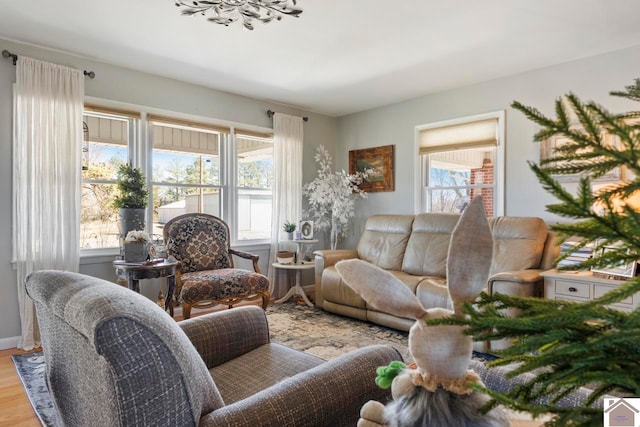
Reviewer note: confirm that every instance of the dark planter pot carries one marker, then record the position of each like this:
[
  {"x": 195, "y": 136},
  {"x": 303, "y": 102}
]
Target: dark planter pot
[
  {"x": 131, "y": 219},
  {"x": 135, "y": 252}
]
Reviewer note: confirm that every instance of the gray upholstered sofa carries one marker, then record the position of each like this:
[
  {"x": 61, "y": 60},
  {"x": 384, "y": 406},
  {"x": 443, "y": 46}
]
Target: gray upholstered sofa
[
  {"x": 414, "y": 248},
  {"x": 114, "y": 358}
]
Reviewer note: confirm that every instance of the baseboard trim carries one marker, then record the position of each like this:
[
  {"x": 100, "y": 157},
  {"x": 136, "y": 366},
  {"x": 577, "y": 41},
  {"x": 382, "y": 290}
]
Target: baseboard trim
[{"x": 11, "y": 342}]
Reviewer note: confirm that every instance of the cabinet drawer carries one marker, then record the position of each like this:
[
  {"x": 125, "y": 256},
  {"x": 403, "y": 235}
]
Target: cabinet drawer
[
  {"x": 600, "y": 290},
  {"x": 571, "y": 298},
  {"x": 580, "y": 290}
]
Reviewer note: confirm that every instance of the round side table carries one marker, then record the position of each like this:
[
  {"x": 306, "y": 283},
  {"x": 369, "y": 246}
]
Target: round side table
[
  {"x": 134, "y": 272},
  {"x": 297, "y": 288}
]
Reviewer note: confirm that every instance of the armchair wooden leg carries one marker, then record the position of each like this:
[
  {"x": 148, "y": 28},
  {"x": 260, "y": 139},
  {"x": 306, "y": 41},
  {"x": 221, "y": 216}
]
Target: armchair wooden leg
[
  {"x": 186, "y": 310},
  {"x": 265, "y": 300}
]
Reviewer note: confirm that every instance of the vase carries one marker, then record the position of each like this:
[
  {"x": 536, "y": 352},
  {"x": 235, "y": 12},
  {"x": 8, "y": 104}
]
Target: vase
[
  {"x": 131, "y": 219},
  {"x": 135, "y": 252},
  {"x": 290, "y": 235}
]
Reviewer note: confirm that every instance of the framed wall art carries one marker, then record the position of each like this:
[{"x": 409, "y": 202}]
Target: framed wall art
[{"x": 380, "y": 160}]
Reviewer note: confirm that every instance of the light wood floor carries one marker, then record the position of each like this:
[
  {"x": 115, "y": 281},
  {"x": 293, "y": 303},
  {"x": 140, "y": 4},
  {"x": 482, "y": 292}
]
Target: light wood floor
[{"x": 15, "y": 409}]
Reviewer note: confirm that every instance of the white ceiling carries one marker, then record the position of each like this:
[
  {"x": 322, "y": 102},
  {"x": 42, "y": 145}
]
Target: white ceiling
[{"x": 339, "y": 56}]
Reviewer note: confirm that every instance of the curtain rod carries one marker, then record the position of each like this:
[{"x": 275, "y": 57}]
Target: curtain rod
[
  {"x": 270, "y": 113},
  {"x": 14, "y": 57}
]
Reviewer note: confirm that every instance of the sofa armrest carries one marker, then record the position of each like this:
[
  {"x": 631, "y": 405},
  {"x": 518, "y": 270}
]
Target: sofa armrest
[
  {"x": 521, "y": 283},
  {"x": 225, "y": 335},
  {"x": 520, "y": 276},
  {"x": 324, "y": 259},
  {"x": 329, "y": 257},
  {"x": 330, "y": 394}
]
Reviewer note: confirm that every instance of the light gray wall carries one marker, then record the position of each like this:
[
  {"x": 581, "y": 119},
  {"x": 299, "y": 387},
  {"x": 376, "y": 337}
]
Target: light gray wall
[
  {"x": 125, "y": 85},
  {"x": 590, "y": 78}
]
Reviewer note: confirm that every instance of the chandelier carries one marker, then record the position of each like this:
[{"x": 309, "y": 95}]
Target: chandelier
[{"x": 226, "y": 12}]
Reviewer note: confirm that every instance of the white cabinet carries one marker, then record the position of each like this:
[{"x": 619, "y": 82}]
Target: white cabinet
[{"x": 583, "y": 286}]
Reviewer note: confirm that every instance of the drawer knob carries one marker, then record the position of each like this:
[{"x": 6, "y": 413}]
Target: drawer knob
[{"x": 572, "y": 289}]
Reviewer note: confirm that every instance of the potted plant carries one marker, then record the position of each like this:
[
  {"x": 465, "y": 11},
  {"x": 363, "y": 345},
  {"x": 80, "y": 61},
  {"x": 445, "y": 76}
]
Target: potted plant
[
  {"x": 289, "y": 228},
  {"x": 131, "y": 199}
]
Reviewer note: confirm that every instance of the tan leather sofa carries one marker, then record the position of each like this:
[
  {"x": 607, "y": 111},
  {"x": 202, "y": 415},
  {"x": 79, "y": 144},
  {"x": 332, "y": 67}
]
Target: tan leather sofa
[{"x": 414, "y": 248}]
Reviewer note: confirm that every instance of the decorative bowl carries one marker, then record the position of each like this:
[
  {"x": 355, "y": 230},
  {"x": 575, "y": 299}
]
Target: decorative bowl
[{"x": 285, "y": 257}]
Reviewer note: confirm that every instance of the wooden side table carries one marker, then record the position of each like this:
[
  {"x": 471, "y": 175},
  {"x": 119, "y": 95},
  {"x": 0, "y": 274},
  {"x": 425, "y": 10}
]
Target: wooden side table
[
  {"x": 297, "y": 288},
  {"x": 582, "y": 286},
  {"x": 135, "y": 271}
]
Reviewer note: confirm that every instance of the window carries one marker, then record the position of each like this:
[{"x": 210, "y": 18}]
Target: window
[
  {"x": 255, "y": 183},
  {"x": 460, "y": 160},
  {"x": 106, "y": 147},
  {"x": 186, "y": 169},
  {"x": 190, "y": 167}
]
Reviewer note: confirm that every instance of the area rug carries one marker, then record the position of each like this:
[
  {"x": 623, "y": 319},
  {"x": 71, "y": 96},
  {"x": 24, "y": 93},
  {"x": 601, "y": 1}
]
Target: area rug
[{"x": 297, "y": 326}]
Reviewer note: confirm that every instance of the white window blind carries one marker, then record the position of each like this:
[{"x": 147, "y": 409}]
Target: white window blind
[
  {"x": 185, "y": 136},
  {"x": 462, "y": 136}
]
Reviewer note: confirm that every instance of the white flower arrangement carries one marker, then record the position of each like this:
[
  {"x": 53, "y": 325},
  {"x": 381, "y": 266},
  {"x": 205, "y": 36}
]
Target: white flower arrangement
[
  {"x": 332, "y": 197},
  {"x": 137, "y": 236}
]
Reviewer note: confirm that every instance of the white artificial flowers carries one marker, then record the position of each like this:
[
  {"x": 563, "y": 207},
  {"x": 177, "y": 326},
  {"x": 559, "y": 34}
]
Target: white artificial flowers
[
  {"x": 137, "y": 236},
  {"x": 332, "y": 197}
]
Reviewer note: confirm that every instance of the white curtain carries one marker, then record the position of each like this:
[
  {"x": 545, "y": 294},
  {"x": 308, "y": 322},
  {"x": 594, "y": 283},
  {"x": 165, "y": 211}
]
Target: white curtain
[
  {"x": 47, "y": 150},
  {"x": 287, "y": 186}
]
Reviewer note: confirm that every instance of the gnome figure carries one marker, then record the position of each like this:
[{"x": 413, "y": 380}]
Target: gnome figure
[{"x": 437, "y": 391}]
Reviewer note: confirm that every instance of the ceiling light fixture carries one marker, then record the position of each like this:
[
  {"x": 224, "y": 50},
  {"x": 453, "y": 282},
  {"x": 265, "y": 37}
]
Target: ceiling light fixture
[{"x": 226, "y": 12}]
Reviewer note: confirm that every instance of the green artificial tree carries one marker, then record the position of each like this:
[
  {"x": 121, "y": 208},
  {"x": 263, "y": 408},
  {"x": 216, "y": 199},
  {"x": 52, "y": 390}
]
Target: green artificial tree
[
  {"x": 132, "y": 188},
  {"x": 570, "y": 345}
]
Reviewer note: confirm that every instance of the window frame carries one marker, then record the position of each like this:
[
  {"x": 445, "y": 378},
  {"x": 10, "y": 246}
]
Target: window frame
[
  {"x": 223, "y": 147},
  {"x": 421, "y": 163},
  {"x": 140, "y": 150},
  {"x": 239, "y": 133},
  {"x": 133, "y": 135}
]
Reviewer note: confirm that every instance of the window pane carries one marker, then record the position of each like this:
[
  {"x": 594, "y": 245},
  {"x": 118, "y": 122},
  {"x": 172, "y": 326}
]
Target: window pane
[
  {"x": 185, "y": 168},
  {"x": 255, "y": 180},
  {"x": 106, "y": 140},
  {"x": 255, "y": 162},
  {"x": 254, "y": 214},
  {"x": 99, "y": 219},
  {"x": 104, "y": 160},
  {"x": 455, "y": 177},
  {"x": 172, "y": 201},
  {"x": 449, "y": 200}
]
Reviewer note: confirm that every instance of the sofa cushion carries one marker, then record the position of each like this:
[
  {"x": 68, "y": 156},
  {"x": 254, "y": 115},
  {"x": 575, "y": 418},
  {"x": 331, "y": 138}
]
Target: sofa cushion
[
  {"x": 384, "y": 240},
  {"x": 428, "y": 244},
  {"x": 518, "y": 243},
  {"x": 237, "y": 378}
]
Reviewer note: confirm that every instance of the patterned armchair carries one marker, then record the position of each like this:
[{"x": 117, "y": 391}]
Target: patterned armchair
[{"x": 206, "y": 274}]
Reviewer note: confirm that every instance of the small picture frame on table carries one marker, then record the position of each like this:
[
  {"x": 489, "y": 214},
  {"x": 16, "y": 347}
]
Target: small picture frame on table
[
  {"x": 306, "y": 229},
  {"x": 621, "y": 271}
]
